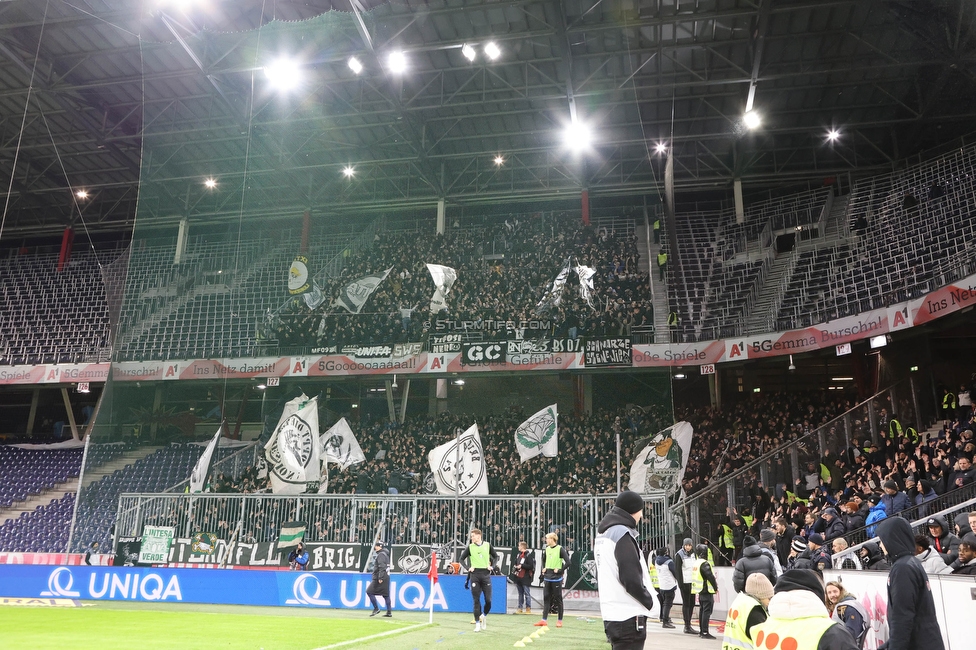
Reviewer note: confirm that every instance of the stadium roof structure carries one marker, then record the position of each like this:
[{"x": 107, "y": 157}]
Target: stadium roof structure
[{"x": 85, "y": 84}]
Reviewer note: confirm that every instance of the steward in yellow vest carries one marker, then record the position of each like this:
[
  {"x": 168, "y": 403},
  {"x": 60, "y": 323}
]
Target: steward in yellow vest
[
  {"x": 703, "y": 583},
  {"x": 746, "y": 611},
  {"x": 798, "y": 618}
]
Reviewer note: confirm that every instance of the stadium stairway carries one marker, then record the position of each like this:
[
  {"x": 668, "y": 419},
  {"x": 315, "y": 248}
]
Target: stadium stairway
[
  {"x": 837, "y": 220},
  {"x": 125, "y": 459},
  {"x": 648, "y": 251},
  {"x": 762, "y": 316},
  {"x": 44, "y": 498}
]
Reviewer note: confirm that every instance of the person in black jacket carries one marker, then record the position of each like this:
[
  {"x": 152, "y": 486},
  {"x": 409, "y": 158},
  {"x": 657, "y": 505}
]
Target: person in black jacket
[
  {"x": 706, "y": 597},
  {"x": 685, "y": 560},
  {"x": 523, "y": 568},
  {"x": 872, "y": 559},
  {"x": 784, "y": 537},
  {"x": 965, "y": 565},
  {"x": 753, "y": 561},
  {"x": 835, "y": 525},
  {"x": 800, "y": 596},
  {"x": 912, "y": 623},
  {"x": 380, "y": 584}
]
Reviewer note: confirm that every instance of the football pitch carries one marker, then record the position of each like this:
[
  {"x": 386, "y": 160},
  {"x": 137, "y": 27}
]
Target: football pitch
[{"x": 120, "y": 625}]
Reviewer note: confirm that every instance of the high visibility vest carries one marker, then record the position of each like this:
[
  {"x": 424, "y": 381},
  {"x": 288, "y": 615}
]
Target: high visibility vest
[
  {"x": 652, "y": 571},
  {"x": 554, "y": 560},
  {"x": 672, "y": 319},
  {"x": 799, "y": 633},
  {"x": 747, "y": 520},
  {"x": 911, "y": 434},
  {"x": 698, "y": 582},
  {"x": 894, "y": 428},
  {"x": 480, "y": 555},
  {"x": 949, "y": 401},
  {"x": 662, "y": 259},
  {"x": 711, "y": 558},
  {"x": 726, "y": 536},
  {"x": 657, "y": 224},
  {"x": 824, "y": 473},
  {"x": 736, "y": 637}
]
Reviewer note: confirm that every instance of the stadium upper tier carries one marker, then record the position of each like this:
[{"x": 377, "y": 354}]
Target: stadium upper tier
[{"x": 892, "y": 238}]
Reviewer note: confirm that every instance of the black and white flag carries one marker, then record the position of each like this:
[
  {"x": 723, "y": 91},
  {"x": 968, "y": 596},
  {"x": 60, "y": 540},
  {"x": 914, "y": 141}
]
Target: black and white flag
[
  {"x": 459, "y": 465},
  {"x": 339, "y": 446},
  {"x": 293, "y": 450},
  {"x": 444, "y": 278},
  {"x": 355, "y": 294}
]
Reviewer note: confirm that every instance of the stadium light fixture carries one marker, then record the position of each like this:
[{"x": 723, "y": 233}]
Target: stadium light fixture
[
  {"x": 577, "y": 136},
  {"x": 82, "y": 194},
  {"x": 680, "y": 375},
  {"x": 349, "y": 171},
  {"x": 283, "y": 73},
  {"x": 468, "y": 51},
  {"x": 833, "y": 135},
  {"x": 397, "y": 62},
  {"x": 791, "y": 367},
  {"x": 499, "y": 161},
  {"x": 841, "y": 379},
  {"x": 355, "y": 65},
  {"x": 458, "y": 382},
  {"x": 661, "y": 147},
  {"x": 492, "y": 51},
  {"x": 752, "y": 120},
  {"x": 210, "y": 183}
]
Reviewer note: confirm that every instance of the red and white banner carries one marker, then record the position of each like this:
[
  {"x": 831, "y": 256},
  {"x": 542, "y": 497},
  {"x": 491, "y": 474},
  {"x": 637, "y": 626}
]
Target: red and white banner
[{"x": 55, "y": 558}]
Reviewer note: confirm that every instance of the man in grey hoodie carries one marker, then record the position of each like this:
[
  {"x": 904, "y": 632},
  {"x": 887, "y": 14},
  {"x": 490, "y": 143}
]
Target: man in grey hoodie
[{"x": 685, "y": 560}]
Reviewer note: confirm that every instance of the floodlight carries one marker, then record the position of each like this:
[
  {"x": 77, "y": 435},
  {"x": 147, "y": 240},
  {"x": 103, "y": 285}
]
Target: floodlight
[
  {"x": 878, "y": 341},
  {"x": 752, "y": 120},
  {"x": 577, "y": 136},
  {"x": 458, "y": 382},
  {"x": 468, "y": 52},
  {"x": 349, "y": 171},
  {"x": 841, "y": 379},
  {"x": 680, "y": 375},
  {"x": 499, "y": 160},
  {"x": 210, "y": 183},
  {"x": 492, "y": 51},
  {"x": 661, "y": 147},
  {"x": 82, "y": 194},
  {"x": 355, "y": 65},
  {"x": 398, "y": 62},
  {"x": 283, "y": 73},
  {"x": 832, "y": 135}
]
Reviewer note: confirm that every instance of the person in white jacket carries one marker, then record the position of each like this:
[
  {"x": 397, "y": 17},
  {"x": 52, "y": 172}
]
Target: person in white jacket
[
  {"x": 931, "y": 560},
  {"x": 626, "y": 592}
]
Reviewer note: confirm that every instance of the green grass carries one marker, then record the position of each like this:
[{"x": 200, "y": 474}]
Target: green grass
[{"x": 140, "y": 626}]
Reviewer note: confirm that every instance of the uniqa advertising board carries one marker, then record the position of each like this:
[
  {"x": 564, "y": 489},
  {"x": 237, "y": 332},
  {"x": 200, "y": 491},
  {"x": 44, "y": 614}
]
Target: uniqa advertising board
[{"x": 234, "y": 587}]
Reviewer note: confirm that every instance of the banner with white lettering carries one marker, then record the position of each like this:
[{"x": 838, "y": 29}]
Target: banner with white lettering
[{"x": 607, "y": 353}]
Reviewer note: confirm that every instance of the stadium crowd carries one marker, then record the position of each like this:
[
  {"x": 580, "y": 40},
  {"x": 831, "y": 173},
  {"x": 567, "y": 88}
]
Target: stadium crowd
[{"x": 503, "y": 272}]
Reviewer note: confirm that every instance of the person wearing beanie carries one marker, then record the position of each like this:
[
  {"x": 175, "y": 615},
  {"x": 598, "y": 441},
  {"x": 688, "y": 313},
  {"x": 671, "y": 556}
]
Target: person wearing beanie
[
  {"x": 835, "y": 525},
  {"x": 912, "y": 623},
  {"x": 685, "y": 560},
  {"x": 753, "y": 561},
  {"x": 876, "y": 513},
  {"x": 894, "y": 500},
  {"x": 625, "y": 589},
  {"x": 667, "y": 584},
  {"x": 746, "y": 611},
  {"x": 704, "y": 585},
  {"x": 767, "y": 544},
  {"x": 819, "y": 553},
  {"x": 800, "y": 554},
  {"x": 379, "y": 586},
  {"x": 798, "y": 616}
]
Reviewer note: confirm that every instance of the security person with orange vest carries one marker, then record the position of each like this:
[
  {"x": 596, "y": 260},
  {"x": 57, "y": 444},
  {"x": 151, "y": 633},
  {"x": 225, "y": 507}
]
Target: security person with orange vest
[
  {"x": 746, "y": 611},
  {"x": 703, "y": 583},
  {"x": 798, "y": 617}
]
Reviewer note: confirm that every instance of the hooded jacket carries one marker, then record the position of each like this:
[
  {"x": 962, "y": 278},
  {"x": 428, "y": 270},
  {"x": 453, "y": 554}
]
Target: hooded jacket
[
  {"x": 876, "y": 514},
  {"x": 835, "y": 529},
  {"x": 962, "y": 521},
  {"x": 623, "y": 578},
  {"x": 946, "y": 544},
  {"x": 792, "y": 605},
  {"x": 875, "y": 560},
  {"x": 932, "y": 562},
  {"x": 753, "y": 560},
  {"x": 667, "y": 573},
  {"x": 967, "y": 569},
  {"x": 912, "y": 624}
]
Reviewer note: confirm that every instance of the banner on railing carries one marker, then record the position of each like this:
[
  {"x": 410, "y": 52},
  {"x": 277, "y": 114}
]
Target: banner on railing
[
  {"x": 450, "y": 355},
  {"x": 215, "y": 586}
]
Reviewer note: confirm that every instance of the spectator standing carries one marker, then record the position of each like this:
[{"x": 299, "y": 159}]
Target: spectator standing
[
  {"x": 872, "y": 559},
  {"x": 685, "y": 560},
  {"x": 523, "y": 568},
  {"x": 845, "y": 609},
  {"x": 912, "y": 622},
  {"x": 91, "y": 550},
  {"x": 963, "y": 473},
  {"x": 797, "y": 611},
  {"x": 784, "y": 537},
  {"x": 850, "y": 513},
  {"x": 746, "y": 611},
  {"x": 835, "y": 525},
  {"x": 799, "y": 554},
  {"x": 819, "y": 553},
  {"x": 932, "y": 562},
  {"x": 380, "y": 584},
  {"x": 876, "y": 513},
  {"x": 625, "y": 584},
  {"x": 667, "y": 584},
  {"x": 893, "y": 499},
  {"x": 944, "y": 542},
  {"x": 965, "y": 404},
  {"x": 767, "y": 544},
  {"x": 298, "y": 558},
  {"x": 966, "y": 564},
  {"x": 753, "y": 561},
  {"x": 703, "y": 584}
]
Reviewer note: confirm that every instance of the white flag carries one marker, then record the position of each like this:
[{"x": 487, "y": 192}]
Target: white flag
[
  {"x": 314, "y": 298},
  {"x": 554, "y": 295},
  {"x": 198, "y": 477},
  {"x": 339, "y": 446},
  {"x": 538, "y": 435},
  {"x": 459, "y": 465},
  {"x": 355, "y": 294},
  {"x": 444, "y": 278},
  {"x": 293, "y": 450},
  {"x": 586, "y": 274},
  {"x": 655, "y": 466}
]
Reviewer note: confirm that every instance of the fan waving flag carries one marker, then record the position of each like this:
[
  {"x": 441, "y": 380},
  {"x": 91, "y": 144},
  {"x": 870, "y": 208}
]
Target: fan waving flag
[
  {"x": 538, "y": 435},
  {"x": 355, "y": 294},
  {"x": 459, "y": 465},
  {"x": 292, "y": 532},
  {"x": 293, "y": 450},
  {"x": 444, "y": 278},
  {"x": 661, "y": 464},
  {"x": 198, "y": 477},
  {"x": 339, "y": 445}
]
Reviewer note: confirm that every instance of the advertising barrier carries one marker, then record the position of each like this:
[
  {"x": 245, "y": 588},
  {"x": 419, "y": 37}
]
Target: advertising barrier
[{"x": 223, "y": 587}]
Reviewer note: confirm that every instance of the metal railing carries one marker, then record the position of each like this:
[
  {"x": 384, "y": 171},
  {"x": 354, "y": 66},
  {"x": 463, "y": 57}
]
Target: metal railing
[
  {"x": 396, "y": 519},
  {"x": 231, "y": 466}
]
